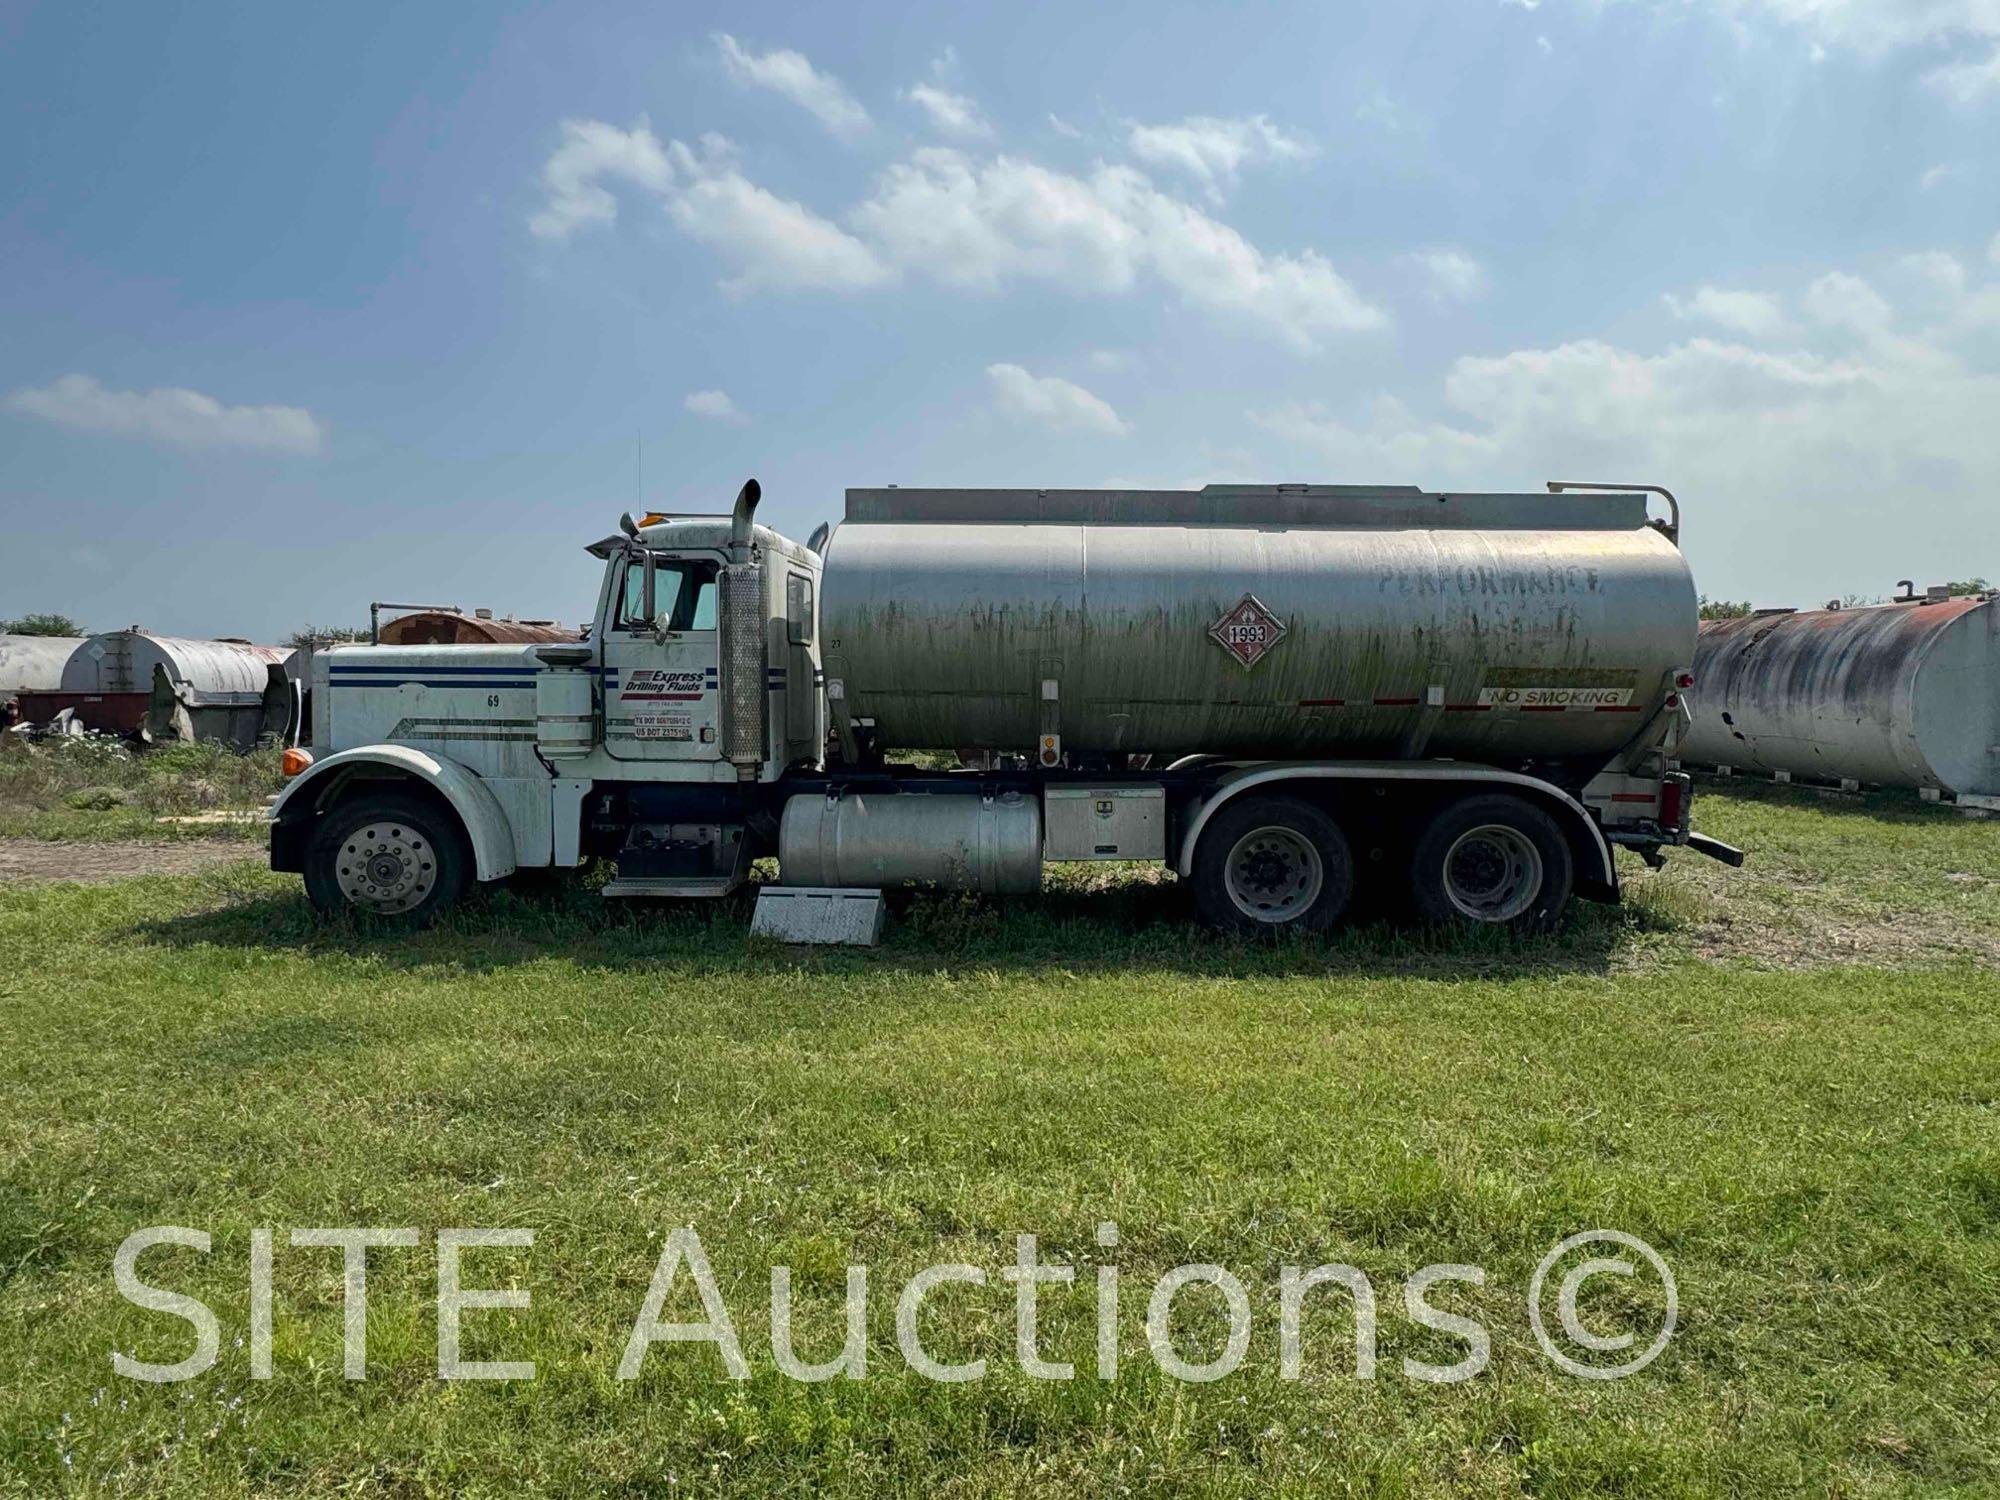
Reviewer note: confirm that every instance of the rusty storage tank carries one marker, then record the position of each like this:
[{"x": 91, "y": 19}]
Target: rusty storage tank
[
  {"x": 1905, "y": 694},
  {"x": 1256, "y": 620},
  {"x": 442, "y": 627},
  {"x": 124, "y": 681},
  {"x": 33, "y": 663}
]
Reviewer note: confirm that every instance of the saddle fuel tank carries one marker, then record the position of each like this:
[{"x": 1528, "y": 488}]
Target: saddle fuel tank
[{"x": 1271, "y": 620}]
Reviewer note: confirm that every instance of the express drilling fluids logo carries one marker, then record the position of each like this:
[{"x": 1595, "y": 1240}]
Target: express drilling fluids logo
[{"x": 666, "y": 686}]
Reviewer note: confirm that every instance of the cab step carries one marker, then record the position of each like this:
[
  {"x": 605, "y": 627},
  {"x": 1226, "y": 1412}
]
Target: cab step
[{"x": 673, "y": 887}]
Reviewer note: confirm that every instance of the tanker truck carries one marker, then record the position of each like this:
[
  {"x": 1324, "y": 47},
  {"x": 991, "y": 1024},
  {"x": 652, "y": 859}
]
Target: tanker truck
[{"x": 1287, "y": 694}]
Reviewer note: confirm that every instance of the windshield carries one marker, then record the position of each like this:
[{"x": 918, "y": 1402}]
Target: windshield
[{"x": 683, "y": 592}]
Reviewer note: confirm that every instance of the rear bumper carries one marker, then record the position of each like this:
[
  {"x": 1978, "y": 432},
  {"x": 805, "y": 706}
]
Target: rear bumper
[{"x": 1729, "y": 854}]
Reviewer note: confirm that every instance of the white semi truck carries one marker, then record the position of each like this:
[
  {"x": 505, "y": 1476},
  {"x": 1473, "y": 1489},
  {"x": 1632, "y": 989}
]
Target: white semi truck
[{"x": 1283, "y": 692}]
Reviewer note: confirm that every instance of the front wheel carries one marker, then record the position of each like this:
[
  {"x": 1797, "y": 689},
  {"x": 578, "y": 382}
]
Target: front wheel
[
  {"x": 1495, "y": 861},
  {"x": 1272, "y": 864},
  {"x": 390, "y": 856}
]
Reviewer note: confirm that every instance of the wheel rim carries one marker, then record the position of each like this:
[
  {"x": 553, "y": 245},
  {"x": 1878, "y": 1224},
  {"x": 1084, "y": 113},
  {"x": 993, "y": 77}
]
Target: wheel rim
[
  {"x": 1273, "y": 874},
  {"x": 1493, "y": 873},
  {"x": 386, "y": 866}
]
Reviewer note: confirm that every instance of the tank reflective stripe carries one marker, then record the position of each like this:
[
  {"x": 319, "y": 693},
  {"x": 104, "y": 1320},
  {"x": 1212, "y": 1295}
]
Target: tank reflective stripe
[
  {"x": 348, "y": 669},
  {"x": 1479, "y": 708},
  {"x": 480, "y": 683}
]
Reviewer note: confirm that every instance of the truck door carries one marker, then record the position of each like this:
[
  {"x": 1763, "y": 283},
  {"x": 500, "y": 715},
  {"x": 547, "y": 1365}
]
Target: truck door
[{"x": 661, "y": 696}]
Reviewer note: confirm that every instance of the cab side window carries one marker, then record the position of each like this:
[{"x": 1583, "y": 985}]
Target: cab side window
[{"x": 683, "y": 591}]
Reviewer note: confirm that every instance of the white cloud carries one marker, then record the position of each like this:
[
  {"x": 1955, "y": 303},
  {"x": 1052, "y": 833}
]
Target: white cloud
[
  {"x": 792, "y": 76},
  {"x": 170, "y": 415},
  {"x": 1935, "y": 176},
  {"x": 982, "y": 224},
  {"x": 1942, "y": 273},
  {"x": 1450, "y": 275},
  {"x": 1545, "y": 45},
  {"x": 962, "y": 221},
  {"x": 1756, "y": 315},
  {"x": 769, "y": 242},
  {"x": 1063, "y": 128},
  {"x": 574, "y": 175},
  {"x": 1875, "y": 29},
  {"x": 1049, "y": 401},
  {"x": 1795, "y": 465},
  {"x": 1993, "y": 250},
  {"x": 1111, "y": 359},
  {"x": 1967, "y": 82},
  {"x": 953, "y": 114},
  {"x": 1841, "y": 300},
  {"x": 716, "y": 406},
  {"x": 1212, "y": 150}
]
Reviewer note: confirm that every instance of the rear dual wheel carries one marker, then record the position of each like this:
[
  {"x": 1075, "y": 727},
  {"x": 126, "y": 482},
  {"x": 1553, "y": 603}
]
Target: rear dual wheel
[
  {"x": 1277, "y": 864},
  {"x": 1270, "y": 865},
  {"x": 1493, "y": 860}
]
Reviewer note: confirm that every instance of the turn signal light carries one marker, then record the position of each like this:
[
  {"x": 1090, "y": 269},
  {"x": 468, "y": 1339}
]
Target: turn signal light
[
  {"x": 1684, "y": 681},
  {"x": 294, "y": 761}
]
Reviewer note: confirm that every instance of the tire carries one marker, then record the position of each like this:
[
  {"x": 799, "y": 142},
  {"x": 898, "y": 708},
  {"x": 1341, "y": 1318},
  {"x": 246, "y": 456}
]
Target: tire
[
  {"x": 1271, "y": 865},
  {"x": 1492, "y": 860},
  {"x": 425, "y": 862}
]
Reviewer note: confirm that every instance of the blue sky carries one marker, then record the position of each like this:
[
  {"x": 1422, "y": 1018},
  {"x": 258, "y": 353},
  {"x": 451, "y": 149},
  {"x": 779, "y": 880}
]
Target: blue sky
[{"x": 309, "y": 306}]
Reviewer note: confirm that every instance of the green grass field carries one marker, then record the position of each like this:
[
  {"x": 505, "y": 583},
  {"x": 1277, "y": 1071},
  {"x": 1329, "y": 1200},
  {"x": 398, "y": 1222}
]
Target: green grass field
[{"x": 1786, "y": 1079}]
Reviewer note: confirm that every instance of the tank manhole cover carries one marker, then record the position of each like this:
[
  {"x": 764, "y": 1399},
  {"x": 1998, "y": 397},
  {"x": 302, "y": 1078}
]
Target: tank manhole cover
[{"x": 1248, "y": 630}]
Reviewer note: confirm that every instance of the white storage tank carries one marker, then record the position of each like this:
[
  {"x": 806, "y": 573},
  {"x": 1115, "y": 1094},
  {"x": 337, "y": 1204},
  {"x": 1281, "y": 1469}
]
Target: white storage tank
[
  {"x": 33, "y": 663},
  {"x": 180, "y": 688}
]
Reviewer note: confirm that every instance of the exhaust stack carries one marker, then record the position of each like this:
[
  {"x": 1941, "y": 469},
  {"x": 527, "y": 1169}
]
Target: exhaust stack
[{"x": 743, "y": 647}]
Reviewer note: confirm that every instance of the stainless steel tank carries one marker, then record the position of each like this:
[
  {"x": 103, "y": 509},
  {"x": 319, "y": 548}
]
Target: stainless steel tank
[
  {"x": 1290, "y": 620},
  {"x": 1904, "y": 694},
  {"x": 33, "y": 663}
]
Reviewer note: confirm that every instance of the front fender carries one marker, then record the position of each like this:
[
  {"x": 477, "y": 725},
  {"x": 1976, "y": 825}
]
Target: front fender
[{"x": 478, "y": 809}]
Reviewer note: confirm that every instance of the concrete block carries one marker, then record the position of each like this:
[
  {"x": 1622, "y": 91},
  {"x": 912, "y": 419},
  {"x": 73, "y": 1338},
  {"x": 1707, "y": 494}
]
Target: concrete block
[{"x": 818, "y": 914}]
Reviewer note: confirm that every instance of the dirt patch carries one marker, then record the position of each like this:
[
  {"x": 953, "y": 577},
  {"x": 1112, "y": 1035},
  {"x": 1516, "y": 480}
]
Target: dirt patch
[{"x": 41, "y": 859}]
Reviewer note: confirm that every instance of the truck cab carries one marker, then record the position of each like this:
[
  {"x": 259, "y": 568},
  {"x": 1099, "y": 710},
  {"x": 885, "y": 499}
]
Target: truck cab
[{"x": 650, "y": 742}]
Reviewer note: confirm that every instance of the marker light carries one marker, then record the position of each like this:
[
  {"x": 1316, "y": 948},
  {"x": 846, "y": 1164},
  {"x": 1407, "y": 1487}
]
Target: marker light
[{"x": 295, "y": 761}]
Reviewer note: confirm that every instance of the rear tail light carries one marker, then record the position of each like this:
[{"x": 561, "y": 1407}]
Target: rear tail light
[{"x": 1676, "y": 792}]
